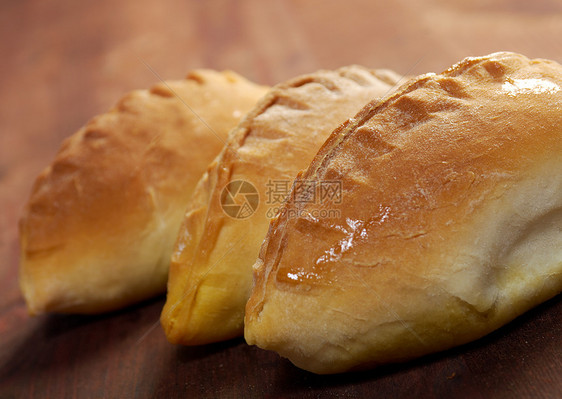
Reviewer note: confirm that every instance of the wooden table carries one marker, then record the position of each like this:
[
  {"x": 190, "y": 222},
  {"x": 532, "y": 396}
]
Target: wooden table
[{"x": 64, "y": 61}]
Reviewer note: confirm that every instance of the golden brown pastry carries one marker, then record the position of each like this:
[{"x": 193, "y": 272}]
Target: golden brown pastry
[
  {"x": 101, "y": 222},
  {"x": 449, "y": 225},
  {"x": 211, "y": 269}
]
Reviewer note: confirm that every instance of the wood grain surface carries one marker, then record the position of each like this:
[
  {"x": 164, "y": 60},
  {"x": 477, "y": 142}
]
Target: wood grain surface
[{"x": 62, "y": 62}]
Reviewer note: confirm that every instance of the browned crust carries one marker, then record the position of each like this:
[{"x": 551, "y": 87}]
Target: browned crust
[
  {"x": 386, "y": 127},
  {"x": 118, "y": 179},
  {"x": 205, "y": 220}
]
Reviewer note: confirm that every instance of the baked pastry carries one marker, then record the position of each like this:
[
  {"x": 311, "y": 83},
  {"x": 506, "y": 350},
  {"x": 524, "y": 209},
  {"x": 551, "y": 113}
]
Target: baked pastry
[
  {"x": 211, "y": 269},
  {"x": 101, "y": 222},
  {"x": 449, "y": 224}
]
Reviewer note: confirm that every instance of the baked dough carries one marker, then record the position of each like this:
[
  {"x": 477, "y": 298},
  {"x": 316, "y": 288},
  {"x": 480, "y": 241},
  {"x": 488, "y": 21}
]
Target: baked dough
[
  {"x": 211, "y": 269},
  {"x": 449, "y": 226},
  {"x": 99, "y": 228}
]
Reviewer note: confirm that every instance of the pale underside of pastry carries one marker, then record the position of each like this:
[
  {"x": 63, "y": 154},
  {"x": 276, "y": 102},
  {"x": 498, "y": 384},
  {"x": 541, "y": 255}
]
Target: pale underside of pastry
[
  {"x": 211, "y": 269},
  {"x": 449, "y": 226},
  {"x": 99, "y": 228}
]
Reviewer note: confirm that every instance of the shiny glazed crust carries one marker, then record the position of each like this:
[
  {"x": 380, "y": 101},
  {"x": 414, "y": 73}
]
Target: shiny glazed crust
[
  {"x": 449, "y": 226},
  {"x": 99, "y": 227},
  {"x": 211, "y": 270}
]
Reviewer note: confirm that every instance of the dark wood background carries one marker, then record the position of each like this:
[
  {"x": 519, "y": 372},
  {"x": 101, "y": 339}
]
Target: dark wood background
[{"x": 64, "y": 61}]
